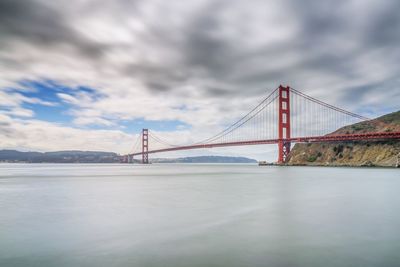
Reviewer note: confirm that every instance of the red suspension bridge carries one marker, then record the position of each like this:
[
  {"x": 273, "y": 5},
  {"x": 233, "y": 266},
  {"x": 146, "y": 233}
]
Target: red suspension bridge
[{"x": 284, "y": 117}]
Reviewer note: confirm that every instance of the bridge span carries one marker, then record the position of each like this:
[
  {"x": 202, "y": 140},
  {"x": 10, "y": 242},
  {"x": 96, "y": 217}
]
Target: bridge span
[{"x": 284, "y": 117}]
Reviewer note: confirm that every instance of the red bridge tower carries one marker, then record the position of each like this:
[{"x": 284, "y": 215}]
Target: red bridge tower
[
  {"x": 284, "y": 124},
  {"x": 145, "y": 146}
]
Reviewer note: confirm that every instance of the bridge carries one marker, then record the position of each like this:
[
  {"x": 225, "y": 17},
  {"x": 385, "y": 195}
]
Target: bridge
[{"x": 284, "y": 117}]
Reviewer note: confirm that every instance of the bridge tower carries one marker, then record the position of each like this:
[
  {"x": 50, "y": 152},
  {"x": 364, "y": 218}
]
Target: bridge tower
[
  {"x": 283, "y": 123},
  {"x": 145, "y": 146}
]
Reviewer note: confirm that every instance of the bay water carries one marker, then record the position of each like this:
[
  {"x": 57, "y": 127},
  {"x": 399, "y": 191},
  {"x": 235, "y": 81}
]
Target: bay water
[{"x": 183, "y": 215}]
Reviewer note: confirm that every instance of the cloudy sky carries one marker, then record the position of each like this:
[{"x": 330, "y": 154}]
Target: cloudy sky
[{"x": 90, "y": 74}]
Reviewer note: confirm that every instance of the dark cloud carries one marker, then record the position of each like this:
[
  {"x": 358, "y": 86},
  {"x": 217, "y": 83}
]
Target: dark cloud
[
  {"x": 224, "y": 47},
  {"x": 327, "y": 28},
  {"x": 157, "y": 78},
  {"x": 204, "y": 45},
  {"x": 218, "y": 92},
  {"x": 158, "y": 87},
  {"x": 318, "y": 19},
  {"x": 34, "y": 22},
  {"x": 384, "y": 26},
  {"x": 31, "y": 20}
]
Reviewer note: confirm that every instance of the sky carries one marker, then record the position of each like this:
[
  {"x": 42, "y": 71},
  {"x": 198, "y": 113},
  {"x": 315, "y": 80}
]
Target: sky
[{"x": 89, "y": 75}]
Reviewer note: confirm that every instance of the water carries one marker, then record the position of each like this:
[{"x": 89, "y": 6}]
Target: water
[{"x": 198, "y": 215}]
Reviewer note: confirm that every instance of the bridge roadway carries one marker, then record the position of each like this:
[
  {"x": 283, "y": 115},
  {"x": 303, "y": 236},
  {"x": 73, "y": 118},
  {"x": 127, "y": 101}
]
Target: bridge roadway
[{"x": 307, "y": 139}]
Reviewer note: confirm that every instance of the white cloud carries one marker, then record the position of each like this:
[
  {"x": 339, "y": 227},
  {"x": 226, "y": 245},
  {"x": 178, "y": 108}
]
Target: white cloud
[
  {"x": 19, "y": 112},
  {"x": 68, "y": 98},
  {"x": 93, "y": 121},
  {"x": 45, "y": 136}
]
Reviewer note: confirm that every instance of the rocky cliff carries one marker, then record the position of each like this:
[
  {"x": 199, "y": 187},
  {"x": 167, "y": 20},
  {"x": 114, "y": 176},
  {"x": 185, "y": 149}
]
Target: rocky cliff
[{"x": 378, "y": 153}]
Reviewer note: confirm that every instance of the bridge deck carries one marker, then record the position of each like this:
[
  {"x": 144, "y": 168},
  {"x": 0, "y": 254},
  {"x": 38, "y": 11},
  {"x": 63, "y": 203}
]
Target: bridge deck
[{"x": 307, "y": 139}]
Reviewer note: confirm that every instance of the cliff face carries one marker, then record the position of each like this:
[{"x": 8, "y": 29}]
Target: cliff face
[{"x": 379, "y": 153}]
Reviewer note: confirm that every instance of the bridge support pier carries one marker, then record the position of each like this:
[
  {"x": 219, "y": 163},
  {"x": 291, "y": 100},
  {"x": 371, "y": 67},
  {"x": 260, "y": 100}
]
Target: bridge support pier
[
  {"x": 283, "y": 124},
  {"x": 145, "y": 146}
]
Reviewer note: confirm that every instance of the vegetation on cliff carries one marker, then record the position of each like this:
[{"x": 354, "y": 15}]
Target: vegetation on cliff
[{"x": 377, "y": 153}]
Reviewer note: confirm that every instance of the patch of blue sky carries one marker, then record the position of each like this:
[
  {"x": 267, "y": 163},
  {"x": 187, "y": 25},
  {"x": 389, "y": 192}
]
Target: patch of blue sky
[
  {"x": 59, "y": 112},
  {"x": 374, "y": 112},
  {"x": 45, "y": 90}
]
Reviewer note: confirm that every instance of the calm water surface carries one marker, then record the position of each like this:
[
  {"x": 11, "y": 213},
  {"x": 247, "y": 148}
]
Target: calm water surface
[{"x": 198, "y": 215}]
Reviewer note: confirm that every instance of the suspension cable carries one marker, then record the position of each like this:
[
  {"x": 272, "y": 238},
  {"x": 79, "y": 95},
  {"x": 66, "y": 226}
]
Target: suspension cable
[{"x": 328, "y": 105}]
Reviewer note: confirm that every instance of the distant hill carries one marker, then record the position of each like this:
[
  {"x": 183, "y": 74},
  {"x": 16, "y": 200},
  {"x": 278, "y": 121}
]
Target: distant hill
[
  {"x": 73, "y": 156},
  {"x": 76, "y": 156},
  {"x": 377, "y": 153},
  {"x": 206, "y": 159}
]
